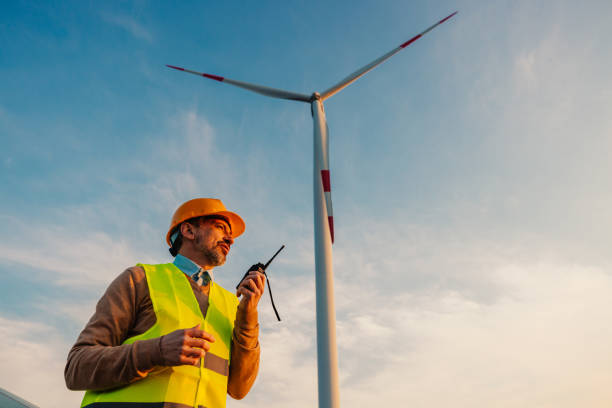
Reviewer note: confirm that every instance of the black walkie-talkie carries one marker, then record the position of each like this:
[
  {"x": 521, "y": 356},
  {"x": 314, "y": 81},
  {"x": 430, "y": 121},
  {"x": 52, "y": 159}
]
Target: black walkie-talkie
[{"x": 256, "y": 267}]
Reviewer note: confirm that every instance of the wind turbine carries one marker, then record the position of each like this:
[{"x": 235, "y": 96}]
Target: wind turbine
[{"x": 327, "y": 357}]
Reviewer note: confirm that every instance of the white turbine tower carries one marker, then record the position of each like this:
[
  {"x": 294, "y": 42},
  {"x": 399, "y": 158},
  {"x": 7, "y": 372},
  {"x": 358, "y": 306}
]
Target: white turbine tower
[{"x": 327, "y": 356}]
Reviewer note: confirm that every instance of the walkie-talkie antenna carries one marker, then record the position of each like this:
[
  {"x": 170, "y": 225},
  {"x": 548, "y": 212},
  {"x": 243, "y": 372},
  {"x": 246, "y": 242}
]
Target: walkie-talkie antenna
[{"x": 273, "y": 256}]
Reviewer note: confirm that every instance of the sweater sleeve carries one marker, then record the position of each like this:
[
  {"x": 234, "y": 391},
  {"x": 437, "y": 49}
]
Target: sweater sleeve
[
  {"x": 244, "y": 363},
  {"x": 98, "y": 360}
]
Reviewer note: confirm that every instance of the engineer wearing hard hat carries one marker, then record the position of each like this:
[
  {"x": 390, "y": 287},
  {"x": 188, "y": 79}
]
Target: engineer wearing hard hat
[{"x": 167, "y": 334}]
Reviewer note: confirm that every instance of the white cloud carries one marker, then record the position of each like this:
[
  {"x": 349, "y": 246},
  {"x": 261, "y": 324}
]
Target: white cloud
[
  {"x": 75, "y": 245},
  {"x": 188, "y": 162},
  {"x": 541, "y": 341},
  {"x": 440, "y": 316},
  {"x": 525, "y": 68},
  {"x": 546, "y": 345},
  {"x": 33, "y": 359},
  {"x": 128, "y": 24},
  {"x": 73, "y": 257}
]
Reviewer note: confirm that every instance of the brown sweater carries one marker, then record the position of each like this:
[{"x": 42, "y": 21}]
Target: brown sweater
[{"x": 99, "y": 361}]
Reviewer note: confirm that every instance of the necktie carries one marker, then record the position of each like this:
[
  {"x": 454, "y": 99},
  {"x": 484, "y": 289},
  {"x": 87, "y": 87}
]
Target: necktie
[{"x": 201, "y": 277}]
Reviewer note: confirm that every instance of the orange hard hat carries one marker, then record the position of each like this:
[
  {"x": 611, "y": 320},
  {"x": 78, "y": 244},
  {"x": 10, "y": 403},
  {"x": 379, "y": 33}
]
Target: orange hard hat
[{"x": 200, "y": 207}]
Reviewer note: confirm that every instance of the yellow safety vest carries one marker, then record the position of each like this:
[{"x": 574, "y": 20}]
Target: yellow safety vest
[{"x": 181, "y": 386}]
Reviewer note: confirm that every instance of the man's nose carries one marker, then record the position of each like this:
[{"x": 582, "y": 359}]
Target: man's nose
[{"x": 228, "y": 239}]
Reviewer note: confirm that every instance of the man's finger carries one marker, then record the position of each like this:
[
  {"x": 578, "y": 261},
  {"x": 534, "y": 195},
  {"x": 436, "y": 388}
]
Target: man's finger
[
  {"x": 200, "y": 334},
  {"x": 258, "y": 278},
  {"x": 242, "y": 290},
  {"x": 262, "y": 282},
  {"x": 189, "y": 361},
  {"x": 253, "y": 287},
  {"x": 192, "y": 352},
  {"x": 196, "y": 342},
  {"x": 246, "y": 282},
  {"x": 256, "y": 273},
  {"x": 190, "y": 331}
]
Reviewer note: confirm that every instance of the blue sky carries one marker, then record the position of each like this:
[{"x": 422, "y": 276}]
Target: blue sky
[{"x": 470, "y": 177}]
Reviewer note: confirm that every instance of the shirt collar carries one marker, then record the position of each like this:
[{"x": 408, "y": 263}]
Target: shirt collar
[{"x": 188, "y": 267}]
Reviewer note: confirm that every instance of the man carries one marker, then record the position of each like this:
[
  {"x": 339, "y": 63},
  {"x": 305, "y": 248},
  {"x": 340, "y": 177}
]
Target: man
[{"x": 168, "y": 335}]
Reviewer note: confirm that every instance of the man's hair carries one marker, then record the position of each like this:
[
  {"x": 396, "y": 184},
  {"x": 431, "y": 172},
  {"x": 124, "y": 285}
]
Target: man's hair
[{"x": 196, "y": 221}]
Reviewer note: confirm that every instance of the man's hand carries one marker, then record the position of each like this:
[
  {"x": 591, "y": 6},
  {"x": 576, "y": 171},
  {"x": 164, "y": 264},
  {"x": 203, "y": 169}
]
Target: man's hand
[
  {"x": 252, "y": 287},
  {"x": 185, "y": 346}
]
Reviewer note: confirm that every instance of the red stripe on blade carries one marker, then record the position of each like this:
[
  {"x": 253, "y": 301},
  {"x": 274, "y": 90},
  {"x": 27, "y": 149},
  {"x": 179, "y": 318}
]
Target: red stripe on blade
[
  {"x": 325, "y": 179},
  {"x": 215, "y": 77},
  {"x": 330, "y": 220},
  {"x": 444, "y": 19},
  {"x": 410, "y": 41},
  {"x": 172, "y": 66}
]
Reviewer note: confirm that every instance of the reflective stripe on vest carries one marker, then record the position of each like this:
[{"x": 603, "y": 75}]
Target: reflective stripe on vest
[{"x": 176, "y": 307}]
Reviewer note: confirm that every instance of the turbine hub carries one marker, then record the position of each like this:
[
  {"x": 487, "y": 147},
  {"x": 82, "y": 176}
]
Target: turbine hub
[{"x": 315, "y": 96}]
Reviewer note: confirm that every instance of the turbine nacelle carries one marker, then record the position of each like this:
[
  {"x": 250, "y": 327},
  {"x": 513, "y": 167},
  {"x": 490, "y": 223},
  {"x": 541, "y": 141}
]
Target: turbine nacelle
[{"x": 315, "y": 97}]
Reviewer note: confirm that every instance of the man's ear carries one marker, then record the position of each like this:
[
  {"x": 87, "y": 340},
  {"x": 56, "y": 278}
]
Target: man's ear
[{"x": 187, "y": 230}]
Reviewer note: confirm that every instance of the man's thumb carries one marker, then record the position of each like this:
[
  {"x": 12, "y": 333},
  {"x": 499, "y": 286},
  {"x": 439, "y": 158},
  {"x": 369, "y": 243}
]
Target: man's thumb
[{"x": 191, "y": 329}]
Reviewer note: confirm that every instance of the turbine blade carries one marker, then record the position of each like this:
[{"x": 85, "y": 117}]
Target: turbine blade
[
  {"x": 362, "y": 71},
  {"x": 264, "y": 90}
]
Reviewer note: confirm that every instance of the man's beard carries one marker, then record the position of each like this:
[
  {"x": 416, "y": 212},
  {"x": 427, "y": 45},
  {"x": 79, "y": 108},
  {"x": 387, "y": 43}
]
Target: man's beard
[{"x": 214, "y": 257}]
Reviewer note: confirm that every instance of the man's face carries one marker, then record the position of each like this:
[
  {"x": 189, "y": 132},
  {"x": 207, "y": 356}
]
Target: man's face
[{"x": 213, "y": 240}]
